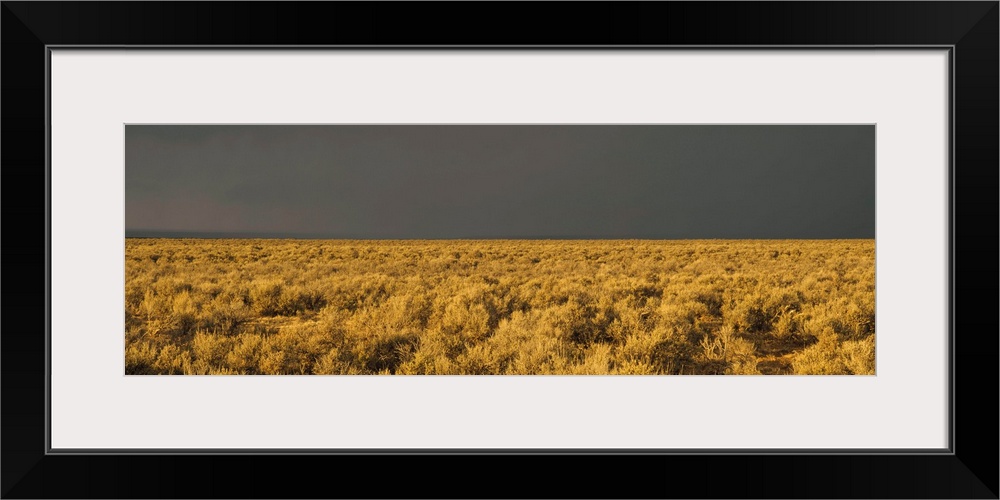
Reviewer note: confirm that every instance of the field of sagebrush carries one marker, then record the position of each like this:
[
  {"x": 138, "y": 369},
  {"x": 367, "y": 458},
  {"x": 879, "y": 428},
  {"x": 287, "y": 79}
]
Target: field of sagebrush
[{"x": 461, "y": 307}]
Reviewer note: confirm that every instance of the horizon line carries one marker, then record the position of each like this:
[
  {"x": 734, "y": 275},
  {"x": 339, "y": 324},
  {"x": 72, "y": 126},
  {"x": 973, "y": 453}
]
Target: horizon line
[{"x": 236, "y": 235}]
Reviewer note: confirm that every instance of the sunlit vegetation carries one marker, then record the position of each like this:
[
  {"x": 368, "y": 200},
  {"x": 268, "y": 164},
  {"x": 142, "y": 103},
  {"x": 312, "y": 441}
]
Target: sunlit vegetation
[{"x": 463, "y": 307}]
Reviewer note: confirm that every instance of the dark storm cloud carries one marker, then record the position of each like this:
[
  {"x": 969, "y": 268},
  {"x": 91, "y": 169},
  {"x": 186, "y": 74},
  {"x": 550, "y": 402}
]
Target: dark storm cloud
[{"x": 502, "y": 181}]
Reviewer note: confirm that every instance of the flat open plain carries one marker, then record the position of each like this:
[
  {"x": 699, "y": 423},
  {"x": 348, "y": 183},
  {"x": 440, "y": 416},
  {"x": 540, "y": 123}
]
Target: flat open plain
[{"x": 464, "y": 307}]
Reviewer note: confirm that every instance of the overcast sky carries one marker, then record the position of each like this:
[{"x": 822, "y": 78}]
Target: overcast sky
[{"x": 501, "y": 181}]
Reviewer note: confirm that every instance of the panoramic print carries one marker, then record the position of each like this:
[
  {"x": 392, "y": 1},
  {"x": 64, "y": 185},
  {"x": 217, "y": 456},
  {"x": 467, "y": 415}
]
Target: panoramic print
[{"x": 499, "y": 250}]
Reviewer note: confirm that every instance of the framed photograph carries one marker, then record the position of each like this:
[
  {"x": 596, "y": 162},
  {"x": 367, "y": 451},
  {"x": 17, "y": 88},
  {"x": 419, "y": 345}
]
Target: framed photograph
[{"x": 281, "y": 236}]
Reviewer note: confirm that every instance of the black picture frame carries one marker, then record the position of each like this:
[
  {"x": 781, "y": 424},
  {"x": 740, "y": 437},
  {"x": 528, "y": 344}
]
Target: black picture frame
[{"x": 969, "y": 469}]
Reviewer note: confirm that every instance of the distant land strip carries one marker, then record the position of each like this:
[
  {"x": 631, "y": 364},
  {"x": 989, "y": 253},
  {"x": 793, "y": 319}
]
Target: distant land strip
[{"x": 156, "y": 233}]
